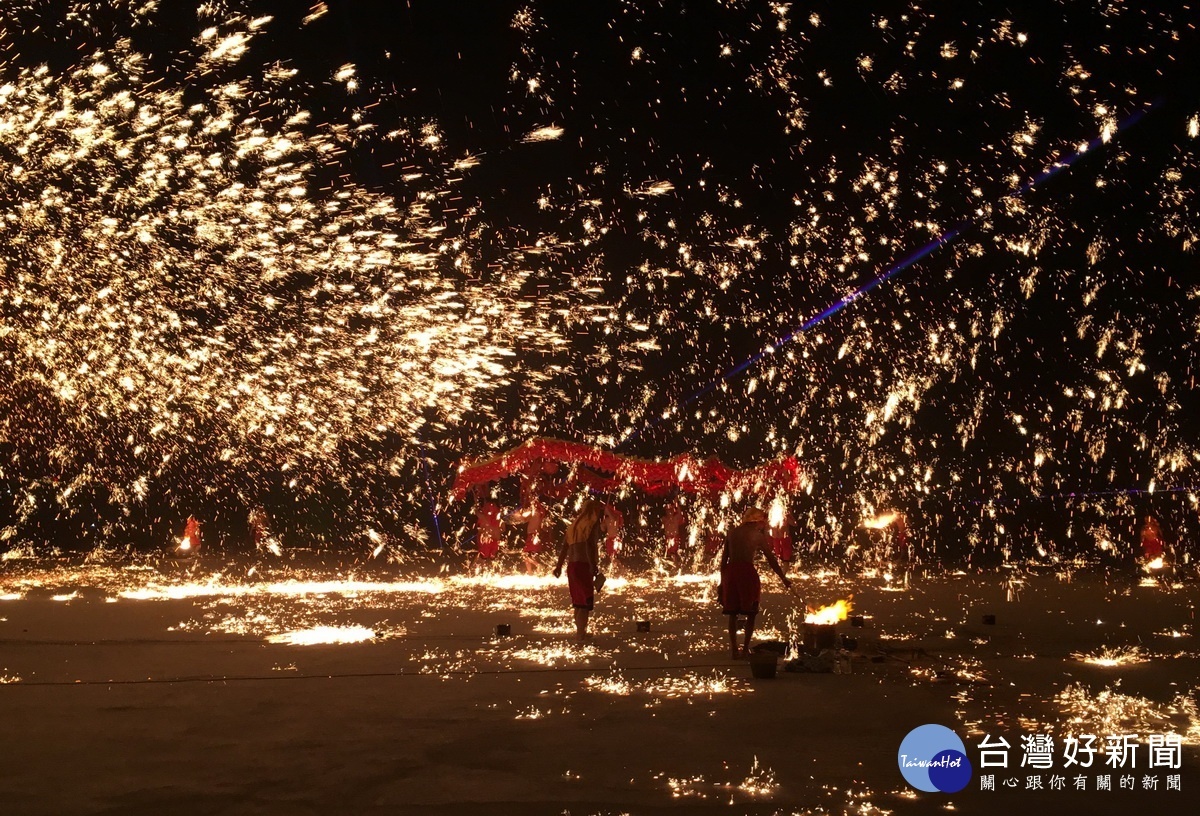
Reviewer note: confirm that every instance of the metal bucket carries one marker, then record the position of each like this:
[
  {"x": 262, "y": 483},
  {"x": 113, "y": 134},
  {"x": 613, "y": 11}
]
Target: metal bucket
[{"x": 763, "y": 665}]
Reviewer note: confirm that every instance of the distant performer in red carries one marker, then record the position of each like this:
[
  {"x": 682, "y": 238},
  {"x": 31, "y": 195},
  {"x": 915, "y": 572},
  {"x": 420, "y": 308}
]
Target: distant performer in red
[
  {"x": 741, "y": 588},
  {"x": 781, "y": 539},
  {"x": 534, "y": 519},
  {"x": 487, "y": 527},
  {"x": 1152, "y": 542},
  {"x": 902, "y": 552},
  {"x": 673, "y": 531},
  {"x": 713, "y": 541},
  {"x": 190, "y": 543},
  {"x": 257, "y": 521},
  {"x": 614, "y": 527}
]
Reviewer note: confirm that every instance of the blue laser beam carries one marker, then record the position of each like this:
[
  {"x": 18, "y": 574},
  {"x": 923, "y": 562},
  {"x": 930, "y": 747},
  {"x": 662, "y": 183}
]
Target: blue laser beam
[{"x": 920, "y": 254}]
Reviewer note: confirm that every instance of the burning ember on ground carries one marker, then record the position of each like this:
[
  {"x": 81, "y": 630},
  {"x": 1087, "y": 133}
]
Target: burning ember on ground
[
  {"x": 684, "y": 685},
  {"x": 760, "y": 783},
  {"x": 560, "y": 654},
  {"x": 1121, "y": 656},
  {"x": 324, "y": 634}
]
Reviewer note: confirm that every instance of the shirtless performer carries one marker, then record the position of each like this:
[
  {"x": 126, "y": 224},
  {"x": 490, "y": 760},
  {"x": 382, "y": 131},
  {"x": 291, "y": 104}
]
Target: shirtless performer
[
  {"x": 581, "y": 550},
  {"x": 740, "y": 585}
]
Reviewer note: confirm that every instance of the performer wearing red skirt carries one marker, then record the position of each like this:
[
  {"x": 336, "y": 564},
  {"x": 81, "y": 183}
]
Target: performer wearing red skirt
[
  {"x": 582, "y": 545},
  {"x": 741, "y": 588}
]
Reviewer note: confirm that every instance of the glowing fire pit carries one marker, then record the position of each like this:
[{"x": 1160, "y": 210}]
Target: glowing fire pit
[
  {"x": 819, "y": 636},
  {"x": 820, "y": 627}
]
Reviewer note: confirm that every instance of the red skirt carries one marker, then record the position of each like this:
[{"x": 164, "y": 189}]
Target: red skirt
[
  {"x": 740, "y": 588},
  {"x": 582, "y": 584},
  {"x": 1152, "y": 548},
  {"x": 488, "y": 546},
  {"x": 782, "y": 545}
]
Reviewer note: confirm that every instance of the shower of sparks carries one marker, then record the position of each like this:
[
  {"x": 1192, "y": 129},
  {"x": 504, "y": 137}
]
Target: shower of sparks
[
  {"x": 1111, "y": 712},
  {"x": 246, "y": 282},
  {"x": 189, "y": 303},
  {"x": 940, "y": 392},
  {"x": 324, "y": 634},
  {"x": 879, "y": 522},
  {"x": 777, "y": 513},
  {"x": 1154, "y": 565}
]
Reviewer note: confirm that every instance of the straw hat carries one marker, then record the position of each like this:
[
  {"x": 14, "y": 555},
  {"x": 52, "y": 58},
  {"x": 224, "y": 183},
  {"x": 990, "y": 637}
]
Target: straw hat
[{"x": 754, "y": 515}]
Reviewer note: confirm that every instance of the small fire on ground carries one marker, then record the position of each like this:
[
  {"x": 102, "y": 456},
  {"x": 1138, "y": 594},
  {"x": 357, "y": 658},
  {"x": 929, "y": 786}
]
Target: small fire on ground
[{"x": 827, "y": 615}]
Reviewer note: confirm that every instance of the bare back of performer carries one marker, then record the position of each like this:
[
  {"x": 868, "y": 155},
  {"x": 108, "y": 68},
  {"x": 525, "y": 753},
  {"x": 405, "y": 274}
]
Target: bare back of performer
[
  {"x": 580, "y": 551},
  {"x": 740, "y": 585}
]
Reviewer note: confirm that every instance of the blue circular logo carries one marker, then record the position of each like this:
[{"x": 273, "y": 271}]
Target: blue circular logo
[{"x": 933, "y": 759}]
